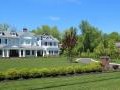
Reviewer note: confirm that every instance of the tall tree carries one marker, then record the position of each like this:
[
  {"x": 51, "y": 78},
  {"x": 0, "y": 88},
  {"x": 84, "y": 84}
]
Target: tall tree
[
  {"x": 69, "y": 41},
  {"x": 114, "y": 36},
  {"x": 45, "y": 29},
  {"x": 4, "y": 27},
  {"x": 91, "y": 35}
]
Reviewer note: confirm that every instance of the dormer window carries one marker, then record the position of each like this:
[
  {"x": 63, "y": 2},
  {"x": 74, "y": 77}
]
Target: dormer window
[
  {"x": 2, "y": 33},
  {"x": 13, "y": 34}
]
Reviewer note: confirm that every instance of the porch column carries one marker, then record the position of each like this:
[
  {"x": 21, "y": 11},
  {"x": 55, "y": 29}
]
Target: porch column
[
  {"x": 47, "y": 52},
  {"x": 36, "y": 53},
  {"x": 19, "y": 53},
  {"x": 30, "y": 52},
  {"x": 44, "y": 53},
  {"x": 3, "y": 53},
  {"x": 53, "y": 52},
  {"x": 23, "y": 53},
  {"x": 7, "y": 53}
]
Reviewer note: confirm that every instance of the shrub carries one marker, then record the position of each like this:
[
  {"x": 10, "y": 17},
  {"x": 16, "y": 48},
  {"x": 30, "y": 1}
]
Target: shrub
[
  {"x": 55, "y": 71},
  {"x": 35, "y": 73},
  {"x": 70, "y": 70},
  {"x": 13, "y": 74},
  {"x": 24, "y": 73},
  {"x": 2, "y": 76}
]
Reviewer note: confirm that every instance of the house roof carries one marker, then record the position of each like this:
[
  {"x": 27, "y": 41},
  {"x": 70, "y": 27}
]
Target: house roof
[
  {"x": 27, "y": 34},
  {"x": 18, "y": 34},
  {"x": 47, "y": 38}
]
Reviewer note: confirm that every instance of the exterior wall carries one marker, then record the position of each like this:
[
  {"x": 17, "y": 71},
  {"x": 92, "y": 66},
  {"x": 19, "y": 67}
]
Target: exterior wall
[
  {"x": 27, "y": 41},
  {"x": 51, "y": 47},
  {"x": 13, "y": 42},
  {"x": 3, "y": 41},
  {"x": 24, "y": 43}
]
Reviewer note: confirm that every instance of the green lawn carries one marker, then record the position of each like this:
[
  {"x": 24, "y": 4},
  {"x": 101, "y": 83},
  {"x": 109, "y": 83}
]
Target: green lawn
[
  {"x": 18, "y": 63},
  {"x": 116, "y": 61},
  {"x": 104, "y": 81}
]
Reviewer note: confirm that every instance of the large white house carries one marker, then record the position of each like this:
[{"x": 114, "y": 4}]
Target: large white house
[{"x": 25, "y": 44}]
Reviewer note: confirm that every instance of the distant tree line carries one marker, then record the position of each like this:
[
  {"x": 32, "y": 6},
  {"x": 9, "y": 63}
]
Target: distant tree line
[{"x": 91, "y": 42}]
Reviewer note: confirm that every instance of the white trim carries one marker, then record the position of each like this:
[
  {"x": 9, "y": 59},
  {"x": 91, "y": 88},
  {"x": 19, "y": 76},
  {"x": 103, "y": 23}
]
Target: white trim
[
  {"x": 7, "y": 53},
  {"x": 3, "y": 53}
]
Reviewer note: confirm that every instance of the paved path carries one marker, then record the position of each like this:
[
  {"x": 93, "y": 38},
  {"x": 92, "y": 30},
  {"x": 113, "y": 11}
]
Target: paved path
[
  {"x": 89, "y": 60},
  {"x": 85, "y": 60}
]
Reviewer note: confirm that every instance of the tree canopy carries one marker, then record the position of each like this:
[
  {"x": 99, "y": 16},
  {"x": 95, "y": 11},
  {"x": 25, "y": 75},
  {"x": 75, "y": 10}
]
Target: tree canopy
[{"x": 45, "y": 29}]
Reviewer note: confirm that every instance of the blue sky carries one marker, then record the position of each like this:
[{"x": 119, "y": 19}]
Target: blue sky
[{"x": 104, "y": 14}]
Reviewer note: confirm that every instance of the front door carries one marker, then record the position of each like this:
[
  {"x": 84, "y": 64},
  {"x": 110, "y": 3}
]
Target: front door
[{"x": 14, "y": 53}]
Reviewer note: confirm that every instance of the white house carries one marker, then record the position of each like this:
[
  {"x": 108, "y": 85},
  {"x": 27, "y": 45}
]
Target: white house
[{"x": 25, "y": 44}]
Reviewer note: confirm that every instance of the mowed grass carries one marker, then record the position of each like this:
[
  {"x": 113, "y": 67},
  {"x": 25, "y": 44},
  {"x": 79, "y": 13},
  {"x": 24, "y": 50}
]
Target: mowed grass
[
  {"x": 18, "y": 63},
  {"x": 104, "y": 81}
]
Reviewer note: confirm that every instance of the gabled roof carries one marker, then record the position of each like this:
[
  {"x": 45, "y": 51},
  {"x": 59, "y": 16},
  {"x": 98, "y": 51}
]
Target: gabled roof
[
  {"x": 18, "y": 34},
  {"x": 8, "y": 34},
  {"x": 22, "y": 34},
  {"x": 47, "y": 38},
  {"x": 28, "y": 34}
]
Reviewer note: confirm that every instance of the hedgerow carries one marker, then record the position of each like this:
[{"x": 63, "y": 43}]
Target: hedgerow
[{"x": 13, "y": 74}]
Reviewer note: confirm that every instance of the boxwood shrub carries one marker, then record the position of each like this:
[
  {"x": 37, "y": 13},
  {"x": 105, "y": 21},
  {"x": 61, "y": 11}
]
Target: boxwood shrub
[{"x": 13, "y": 74}]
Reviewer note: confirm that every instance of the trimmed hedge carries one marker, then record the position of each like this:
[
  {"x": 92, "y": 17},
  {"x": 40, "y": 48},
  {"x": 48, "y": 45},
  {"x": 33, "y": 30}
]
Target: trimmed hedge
[{"x": 14, "y": 74}]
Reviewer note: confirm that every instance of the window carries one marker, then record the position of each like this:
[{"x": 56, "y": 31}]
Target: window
[
  {"x": 41, "y": 43},
  {"x": 27, "y": 41},
  {"x": 27, "y": 52},
  {"x": 45, "y": 43},
  {"x": 50, "y": 52},
  {"x": 56, "y": 52},
  {"x": 0, "y": 41},
  {"x": 33, "y": 52},
  {"x": 2, "y": 33},
  {"x": 55, "y": 43},
  {"x": 13, "y": 33},
  {"x": 5, "y": 41},
  {"x": 50, "y": 43},
  {"x": 37, "y": 39}
]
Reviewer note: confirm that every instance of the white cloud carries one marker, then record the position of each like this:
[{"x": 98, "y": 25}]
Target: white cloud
[{"x": 54, "y": 18}]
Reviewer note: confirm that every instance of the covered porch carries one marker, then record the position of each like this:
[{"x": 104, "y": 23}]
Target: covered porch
[{"x": 21, "y": 52}]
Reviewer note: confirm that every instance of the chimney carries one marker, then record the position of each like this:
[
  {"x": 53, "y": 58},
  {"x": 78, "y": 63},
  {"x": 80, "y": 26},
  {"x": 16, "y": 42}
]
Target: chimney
[{"x": 25, "y": 30}]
